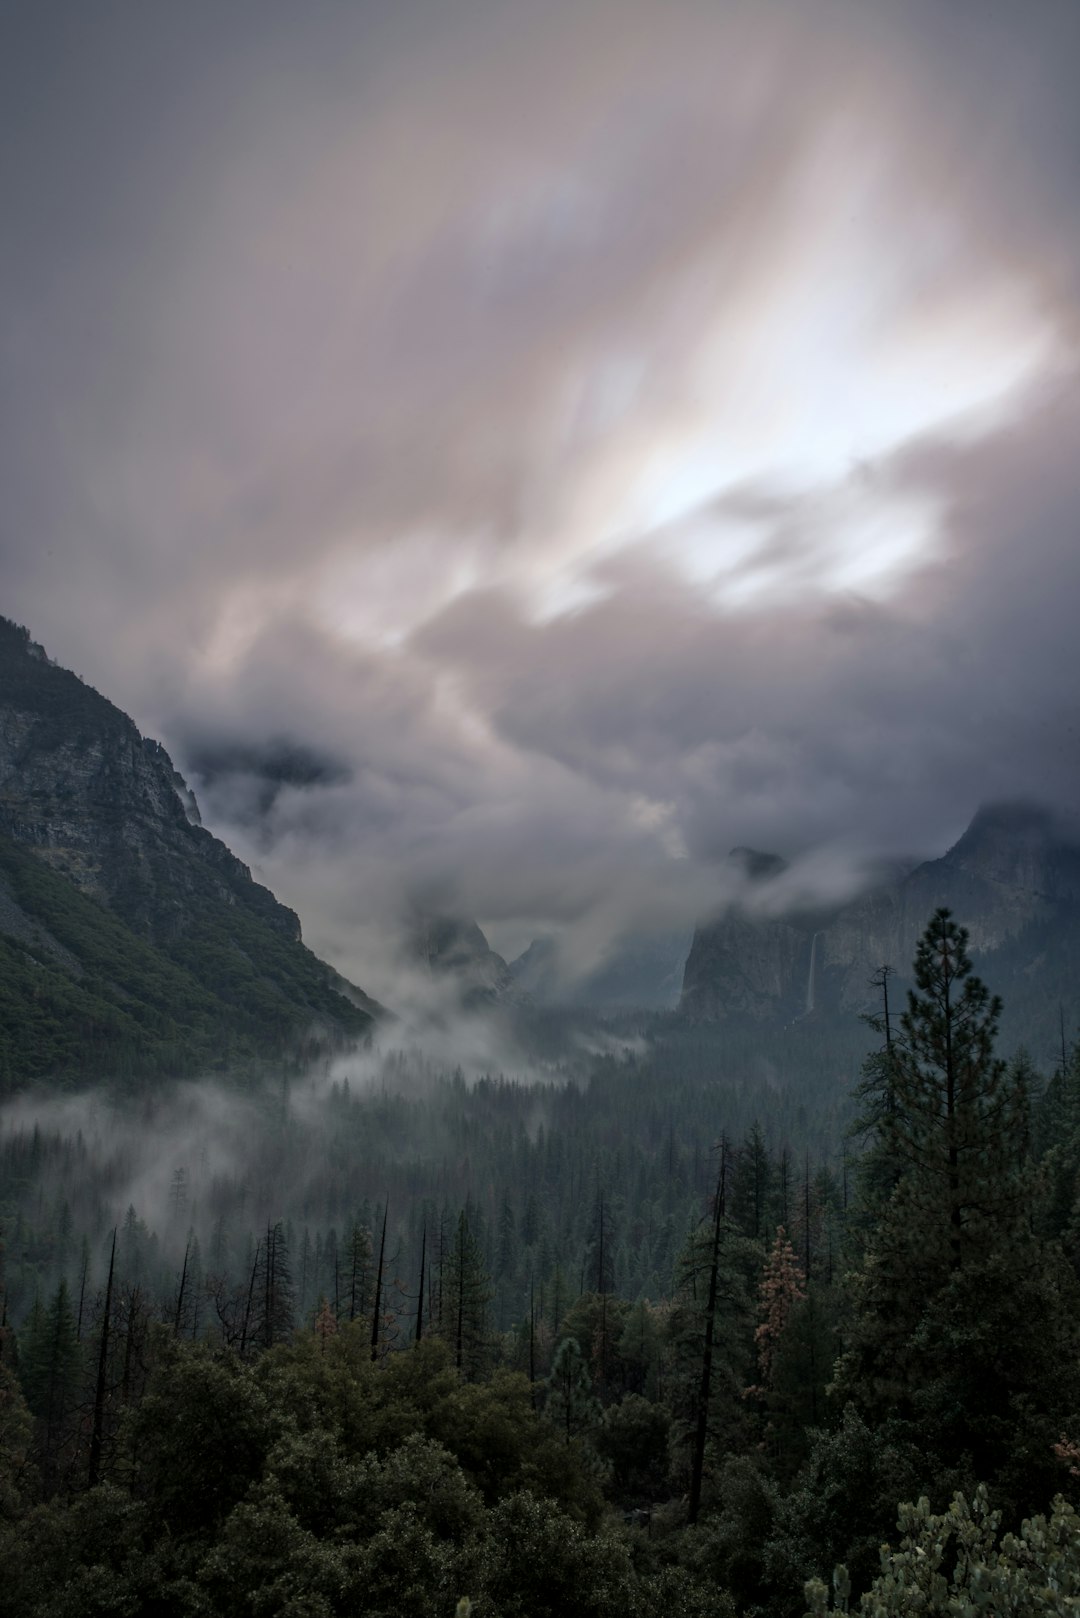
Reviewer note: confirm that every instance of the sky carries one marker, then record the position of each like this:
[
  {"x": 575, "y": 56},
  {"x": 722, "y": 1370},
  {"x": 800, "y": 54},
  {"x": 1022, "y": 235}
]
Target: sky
[{"x": 511, "y": 454}]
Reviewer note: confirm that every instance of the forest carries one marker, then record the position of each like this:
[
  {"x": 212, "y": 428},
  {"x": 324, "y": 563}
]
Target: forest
[{"x": 661, "y": 1339}]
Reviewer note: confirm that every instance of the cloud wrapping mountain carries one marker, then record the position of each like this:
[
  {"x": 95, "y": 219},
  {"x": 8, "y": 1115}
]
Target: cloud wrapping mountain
[{"x": 513, "y": 454}]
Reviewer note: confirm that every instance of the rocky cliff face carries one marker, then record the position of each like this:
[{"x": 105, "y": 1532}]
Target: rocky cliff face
[
  {"x": 1013, "y": 880},
  {"x": 104, "y": 806},
  {"x": 454, "y": 950},
  {"x": 212, "y": 955}
]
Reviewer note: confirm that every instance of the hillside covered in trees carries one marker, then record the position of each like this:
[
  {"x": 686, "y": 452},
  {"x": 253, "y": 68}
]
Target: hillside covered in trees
[
  {"x": 132, "y": 942},
  {"x": 597, "y": 1349}
]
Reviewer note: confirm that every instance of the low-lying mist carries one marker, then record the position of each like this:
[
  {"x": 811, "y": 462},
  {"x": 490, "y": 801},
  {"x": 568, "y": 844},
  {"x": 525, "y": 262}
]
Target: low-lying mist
[{"x": 514, "y": 1121}]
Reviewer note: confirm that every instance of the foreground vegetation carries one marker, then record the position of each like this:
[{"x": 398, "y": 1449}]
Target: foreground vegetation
[{"x": 271, "y": 1430}]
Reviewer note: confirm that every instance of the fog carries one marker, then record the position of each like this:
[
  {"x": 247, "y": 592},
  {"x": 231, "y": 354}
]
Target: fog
[{"x": 511, "y": 455}]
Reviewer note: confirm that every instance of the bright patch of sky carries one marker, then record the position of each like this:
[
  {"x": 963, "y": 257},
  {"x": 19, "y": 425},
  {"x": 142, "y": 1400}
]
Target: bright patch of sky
[{"x": 854, "y": 329}]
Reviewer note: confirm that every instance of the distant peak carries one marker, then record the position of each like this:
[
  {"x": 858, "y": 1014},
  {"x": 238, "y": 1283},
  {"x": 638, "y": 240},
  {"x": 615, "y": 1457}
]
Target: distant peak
[
  {"x": 1019, "y": 821},
  {"x": 1013, "y": 815},
  {"x": 443, "y": 938}
]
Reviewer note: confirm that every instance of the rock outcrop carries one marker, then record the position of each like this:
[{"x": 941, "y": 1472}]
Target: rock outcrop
[
  {"x": 195, "y": 954},
  {"x": 105, "y": 807},
  {"x": 454, "y": 951},
  {"x": 1012, "y": 879}
]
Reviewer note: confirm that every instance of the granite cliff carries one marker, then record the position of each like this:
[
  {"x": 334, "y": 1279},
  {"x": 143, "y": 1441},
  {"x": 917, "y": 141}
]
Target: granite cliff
[
  {"x": 1013, "y": 879},
  {"x": 454, "y": 952},
  {"x": 100, "y": 835}
]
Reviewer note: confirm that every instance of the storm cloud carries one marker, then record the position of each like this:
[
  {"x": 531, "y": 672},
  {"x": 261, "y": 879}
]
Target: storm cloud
[{"x": 512, "y": 453}]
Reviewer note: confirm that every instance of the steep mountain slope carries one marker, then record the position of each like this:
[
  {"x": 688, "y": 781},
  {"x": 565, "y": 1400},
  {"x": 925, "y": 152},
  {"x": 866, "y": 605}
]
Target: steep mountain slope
[
  {"x": 147, "y": 937},
  {"x": 1013, "y": 879},
  {"x": 455, "y": 953}
]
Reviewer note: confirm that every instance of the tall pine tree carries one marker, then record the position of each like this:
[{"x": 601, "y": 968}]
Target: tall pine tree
[{"x": 961, "y": 1322}]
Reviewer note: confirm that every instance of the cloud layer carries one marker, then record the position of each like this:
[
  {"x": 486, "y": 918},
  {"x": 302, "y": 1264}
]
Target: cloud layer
[{"x": 511, "y": 454}]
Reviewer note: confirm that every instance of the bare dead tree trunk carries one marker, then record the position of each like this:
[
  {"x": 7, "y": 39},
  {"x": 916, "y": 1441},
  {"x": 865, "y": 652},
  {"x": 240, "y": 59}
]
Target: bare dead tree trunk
[
  {"x": 378, "y": 1287},
  {"x": 94, "y": 1471},
  {"x": 697, "y": 1467},
  {"x": 82, "y": 1293},
  {"x": 180, "y": 1294},
  {"x": 532, "y": 1346},
  {"x": 460, "y": 1295},
  {"x": 250, "y": 1300}
]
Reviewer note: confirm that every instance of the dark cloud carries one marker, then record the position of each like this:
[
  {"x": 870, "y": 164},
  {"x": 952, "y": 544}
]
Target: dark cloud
[{"x": 515, "y": 453}]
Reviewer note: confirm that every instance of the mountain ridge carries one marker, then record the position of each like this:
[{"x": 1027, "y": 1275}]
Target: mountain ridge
[
  {"x": 151, "y": 933},
  {"x": 1012, "y": 878}
]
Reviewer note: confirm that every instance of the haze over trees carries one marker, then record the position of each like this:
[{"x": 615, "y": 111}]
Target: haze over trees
[{"x": 594, "y": 1364}]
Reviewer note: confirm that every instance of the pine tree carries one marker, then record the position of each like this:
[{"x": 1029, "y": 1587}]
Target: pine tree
[
  {"x": 953, "y": 1118},
  {"x": 465, "y": 1292},
  {"x": 752, "y": 1184},
  {"x": 272, "y": 1300},
  {"x": 326, "y": 1325},
  {"x": 600, "y": 1278},
  {"x": 570, "y": 1403},
  {"x": 358, "y": 1287},
  {"x": 783, "y": 1285},
  {"x": 711, "y": 1326},
  {"x": 49, "y": 1367},
  {"x": 961, "y": 1320}
]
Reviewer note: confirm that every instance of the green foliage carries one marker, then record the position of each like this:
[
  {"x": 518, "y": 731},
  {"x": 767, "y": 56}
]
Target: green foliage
[
  {"x": 570, "y": 1404},
  {"x": 550, "y": 1566},
  {"x": 464, "y": 1298},
  {"x": 597, "y": 1322},
  {"x": 842, "y": 1502},
  {"x": 962, "y": 1323},
  {"x": 301, "y": 1477},
  {"x": 316, "y": 1482},
  {"x": 16, "y": 1431},
  {"x": 727, "y": 1418},
  {"x": 50, "y": 1363},
  {"x": 104, "y": 998},
  {"x": 201, "y": 1436},
  {"x": 954, "y": 1565},
  {"x": 632, "y": 1439}
]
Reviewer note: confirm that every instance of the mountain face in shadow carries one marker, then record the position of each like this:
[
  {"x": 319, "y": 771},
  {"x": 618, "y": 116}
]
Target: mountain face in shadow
[
  {"x": 157, "y": 947},
  {"x": 455, "y": 954},
  {"x": 1012, "y": 879}
]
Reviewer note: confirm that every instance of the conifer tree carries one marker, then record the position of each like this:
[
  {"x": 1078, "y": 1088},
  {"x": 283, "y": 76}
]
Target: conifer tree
[
  {"x": 751, "y": 1184},
  {"x": 97, "y": 1431},
  {"x": 961, "y": 1320},
  {"x": 272, "y": 1288},
  {"x": 570, "y": 1403},
  {"x": 359, "y": 1277},
  {"x": 711, "y": 1327},
  {"x": 783, "y": 1285},
  {"x": 49, "y": 1366},
  {"x": 465, "y": 1293},
  {"x": 377, "y": 1302}
]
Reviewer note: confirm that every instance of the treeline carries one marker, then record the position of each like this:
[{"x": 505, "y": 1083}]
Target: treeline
[
  {"x": 206, "y": 1172},
  {"x": 458, "y": 1409}
]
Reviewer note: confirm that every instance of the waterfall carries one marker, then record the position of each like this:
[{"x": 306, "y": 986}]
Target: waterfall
[{"x": 810, "y": 977}]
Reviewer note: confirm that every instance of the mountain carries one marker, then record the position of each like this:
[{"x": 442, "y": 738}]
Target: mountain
[
  {"x": 641, "y": 972},
  {"x": 1013, "y": 879},
  {"x": 453, "y": 951},
  {"x": 130, "y": 937}
]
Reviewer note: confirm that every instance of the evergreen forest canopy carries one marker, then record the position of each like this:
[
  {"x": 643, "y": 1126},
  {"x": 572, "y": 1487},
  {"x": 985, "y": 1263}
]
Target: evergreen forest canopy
[{"x": 608, "y": 1348}]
